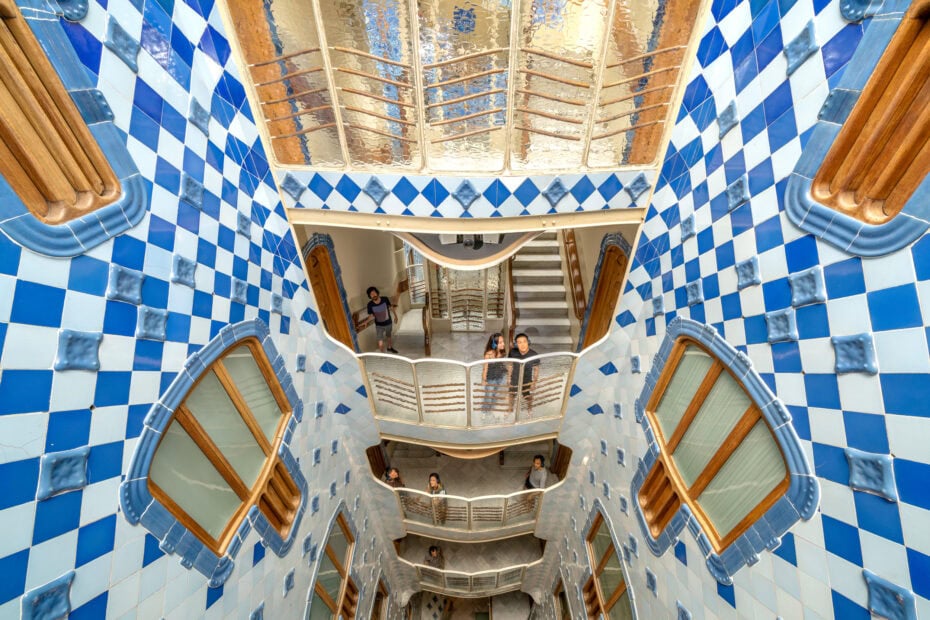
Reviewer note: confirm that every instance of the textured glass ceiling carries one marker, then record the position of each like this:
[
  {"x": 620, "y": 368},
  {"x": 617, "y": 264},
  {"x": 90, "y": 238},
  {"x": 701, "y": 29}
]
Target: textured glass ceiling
[{"x": 459, "y": 86}]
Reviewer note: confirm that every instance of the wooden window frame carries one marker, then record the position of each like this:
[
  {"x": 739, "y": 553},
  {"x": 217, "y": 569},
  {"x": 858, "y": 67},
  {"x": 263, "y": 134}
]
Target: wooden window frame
[
  {"x": 347, "y": 604},
  {"x": 48, "y": 156},
  {"x": 274, "y": 491},
  {"x": 595, "y": 599},
  {"x": 880, "y": 156},
  {"x": 660, "y": 500}
]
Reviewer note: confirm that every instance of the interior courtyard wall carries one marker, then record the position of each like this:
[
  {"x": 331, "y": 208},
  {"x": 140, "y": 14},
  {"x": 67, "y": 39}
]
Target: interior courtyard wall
[{"x": 698, "y": 227}]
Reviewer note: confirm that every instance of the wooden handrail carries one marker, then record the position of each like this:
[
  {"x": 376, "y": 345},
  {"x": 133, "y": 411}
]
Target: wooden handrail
[
  {"x": 575, "y": 280},
  {"x": 512, "y": 308},
  {"x": 427, "y": 327}
]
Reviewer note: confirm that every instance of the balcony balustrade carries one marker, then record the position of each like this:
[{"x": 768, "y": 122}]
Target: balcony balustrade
[
  {"x": 468, "y": 585},
  {"x": 476, "y": 395}
]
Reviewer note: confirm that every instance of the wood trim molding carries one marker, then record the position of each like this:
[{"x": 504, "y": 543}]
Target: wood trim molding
[
  {"x": 47, "y": 154},
  {"x": 882, "y": 153}
]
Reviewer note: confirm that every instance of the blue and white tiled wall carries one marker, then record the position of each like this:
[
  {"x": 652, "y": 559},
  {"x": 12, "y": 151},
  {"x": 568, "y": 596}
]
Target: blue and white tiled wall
[
  {"x": 89, "y": 343},
  {"x": 718, "y": 247},
  {"x": 717, "y": 217}
]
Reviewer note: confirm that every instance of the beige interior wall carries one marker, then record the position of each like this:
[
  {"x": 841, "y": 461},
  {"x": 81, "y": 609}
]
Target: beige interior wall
[
  {"x": 588, "y": 241},
  {"x": 367, "y": 258}
]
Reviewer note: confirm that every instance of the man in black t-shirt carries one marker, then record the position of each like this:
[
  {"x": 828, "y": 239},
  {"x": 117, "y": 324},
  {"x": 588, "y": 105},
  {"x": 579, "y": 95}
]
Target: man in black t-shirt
[
  {"x": 381, "y": 309},
  {"x": 530, "y": 369}
]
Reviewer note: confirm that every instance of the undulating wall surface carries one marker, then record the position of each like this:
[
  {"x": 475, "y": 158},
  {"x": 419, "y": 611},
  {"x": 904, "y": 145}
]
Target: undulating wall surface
[
  {"x": 139, "y": 305},
  {"x": 717, "y": 247}
]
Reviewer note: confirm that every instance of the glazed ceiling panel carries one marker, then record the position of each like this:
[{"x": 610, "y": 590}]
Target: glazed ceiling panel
[{"x": 453, "y": 86}]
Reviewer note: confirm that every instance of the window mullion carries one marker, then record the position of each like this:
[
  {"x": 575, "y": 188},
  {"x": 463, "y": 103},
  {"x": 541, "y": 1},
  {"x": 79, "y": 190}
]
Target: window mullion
[
  {"x": 190, "y": 424},
  {"x": 241, "y": 406},
  {"x": 615, "y": 596},
  {"x": 325, "y": 597},
  {"x": 695, "y": 405},
  {"x": 730, "y": 444},
  {"x": 337, "y": 563},
  {"x": 604, "y": 559}
]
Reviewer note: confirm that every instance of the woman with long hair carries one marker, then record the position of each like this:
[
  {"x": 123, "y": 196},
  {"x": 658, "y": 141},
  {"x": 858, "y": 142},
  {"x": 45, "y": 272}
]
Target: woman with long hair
[
  {"x": 495, "y": 376},
  {"x": 434, "y": 487}
]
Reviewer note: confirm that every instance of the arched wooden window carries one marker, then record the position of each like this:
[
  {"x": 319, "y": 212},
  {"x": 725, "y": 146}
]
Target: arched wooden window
[
  {"x": 605, "y": 593},
  {"x": 717, "y": 453},
  {"x": 335, "y": 594},
  {"x": 723, "y": 456},
  {"x": 218, "y": 457},
  {"x": 213, "y": 460}
]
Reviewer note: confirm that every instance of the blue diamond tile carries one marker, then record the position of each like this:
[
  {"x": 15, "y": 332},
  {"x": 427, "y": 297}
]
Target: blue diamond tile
[
  {"x": 376, "y": 190},
  {"x": 405, "y": 191},
  {"x": 555, "y": 192},
  {"x": 639, "y": 185},
  {"x": 582, "y": 189},
  {"x": 610, "y": 187},
  {"x": 320, "y": 186},
  {"x": 435, "y": 193},
  {"x": 465, "y": 194},
  {"x": 497, "y": 193},
  {"x": 328, "y": 368},
  {"x": 595, "y": 409},
  {"x": 347, "y": 188},
  {"x": 342, "y": 409},
  {"x": 608, "y": 369},
  {"x": 526, "y": 193},
  {"x": 294, "y": 188},
  {"x": 801, "y": 48}
]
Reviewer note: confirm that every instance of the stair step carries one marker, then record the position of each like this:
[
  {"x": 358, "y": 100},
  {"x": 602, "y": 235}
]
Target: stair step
[
  {"x": 545, "y": 320},
  {"x": 541, "y": 243},
  {"x": 535, "y": 258},
  {"x": 543, "y": 305},
  {"x": 539, "y": 288},
  {"x": 537, "y": 273}
]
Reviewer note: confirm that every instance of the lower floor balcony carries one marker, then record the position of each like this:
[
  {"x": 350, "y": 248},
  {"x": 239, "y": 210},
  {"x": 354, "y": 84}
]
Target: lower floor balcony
[{"x": 470, "y": 570}]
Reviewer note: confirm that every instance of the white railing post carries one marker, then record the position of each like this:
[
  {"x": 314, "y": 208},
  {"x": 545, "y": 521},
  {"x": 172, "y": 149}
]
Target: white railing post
[
  {"x": 504, "y": 513},
  {"x": 416, "y": 391}
]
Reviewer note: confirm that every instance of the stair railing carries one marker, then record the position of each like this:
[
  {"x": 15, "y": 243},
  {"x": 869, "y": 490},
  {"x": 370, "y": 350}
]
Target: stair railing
[
  {"x": 510, "y": 320},
  {"x": 575, "y": 280},
  {"x": 426, "y": 318}
]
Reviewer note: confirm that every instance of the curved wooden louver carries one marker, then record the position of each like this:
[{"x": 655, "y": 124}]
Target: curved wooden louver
[
  {"x": 47, "y": 154},
  {"x": 882, "y": 153}
]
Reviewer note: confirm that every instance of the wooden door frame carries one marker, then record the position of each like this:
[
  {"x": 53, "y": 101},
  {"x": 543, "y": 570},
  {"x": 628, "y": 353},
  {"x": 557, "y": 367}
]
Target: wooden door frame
[
  {"x": 610, "y": 240},
  {"x": 316, "y": 241}
]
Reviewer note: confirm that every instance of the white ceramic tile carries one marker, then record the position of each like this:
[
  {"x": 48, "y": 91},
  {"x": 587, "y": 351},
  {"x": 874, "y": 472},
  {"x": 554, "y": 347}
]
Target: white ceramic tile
[
  {"x": 51, "y": 559},
  {"x": 862, "y": 393},
  {"x": 99, "y": 500},
  {"x": 902, "y": 350},
  {"x": 23, "y": 437},
  {"x": 849, "y": 315},
  {"x": 907, "y": 437},
  {"x": 16, "y": 523}
]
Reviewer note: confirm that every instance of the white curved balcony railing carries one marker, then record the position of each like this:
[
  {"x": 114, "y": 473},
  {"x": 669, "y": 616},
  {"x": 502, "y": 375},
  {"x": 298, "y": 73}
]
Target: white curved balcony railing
[
  {"x": 452, "y": 394},
  {"x": 485, "y": 583},
  {"x": 475, "y": 514}
]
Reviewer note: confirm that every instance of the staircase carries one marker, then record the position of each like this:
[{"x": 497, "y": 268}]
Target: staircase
[{"x": 540, "y": 295}]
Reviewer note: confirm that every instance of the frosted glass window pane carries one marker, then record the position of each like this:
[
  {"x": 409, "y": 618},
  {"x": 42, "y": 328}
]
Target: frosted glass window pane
[
  {"x": 254, "y": 388},
  {"x": 611, "y": 578},
  {"x": 722, "y": 408},
  {"x": 689, "y": 374},
  {"x": 181, "y": 470},
  {"x": 339, "y": 544},
  {"x": 621, "y": 609},
  {"x": 318, "y": 609},
  {"x": 600, "y": 543},
  {"x": 329, "y": 578},
  {"x": 749, "y": 475},
  {"x": 211, "y": 406}
]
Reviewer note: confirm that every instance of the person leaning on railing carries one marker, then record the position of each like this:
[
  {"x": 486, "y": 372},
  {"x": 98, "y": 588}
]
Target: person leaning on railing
[
  {"x": 434, "y": 487},
  {"x": 392, "y": 478}
]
